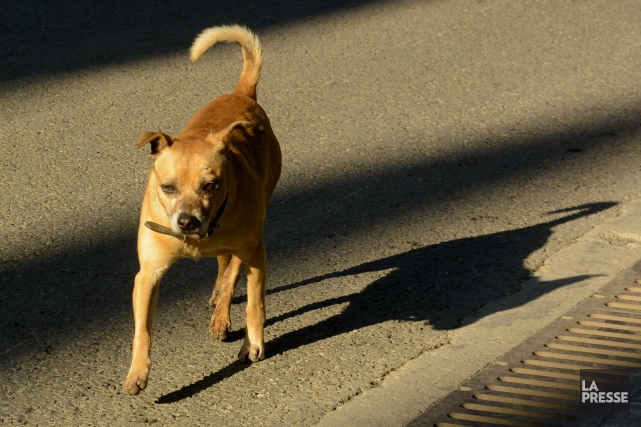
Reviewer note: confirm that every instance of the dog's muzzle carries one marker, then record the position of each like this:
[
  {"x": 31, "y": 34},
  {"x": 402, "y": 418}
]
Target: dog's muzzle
[{"x": 187, "y": 223}]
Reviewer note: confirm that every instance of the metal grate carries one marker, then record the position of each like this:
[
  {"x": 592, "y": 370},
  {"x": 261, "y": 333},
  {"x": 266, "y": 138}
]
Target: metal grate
[{"x": 537, "y": 383}]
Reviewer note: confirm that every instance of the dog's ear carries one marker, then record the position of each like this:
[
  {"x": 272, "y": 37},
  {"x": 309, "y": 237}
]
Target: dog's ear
[
  {"x": 158, "y": 141},
  {"x": 225, "y": 135}
]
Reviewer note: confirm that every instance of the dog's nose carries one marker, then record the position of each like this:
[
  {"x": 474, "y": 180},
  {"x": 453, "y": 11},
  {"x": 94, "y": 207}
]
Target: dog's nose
[{"x": 186, "y": 222}]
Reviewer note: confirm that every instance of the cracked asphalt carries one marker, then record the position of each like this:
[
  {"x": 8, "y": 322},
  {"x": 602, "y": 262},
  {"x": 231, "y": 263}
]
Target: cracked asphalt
[{"x": 435, "y": 154}]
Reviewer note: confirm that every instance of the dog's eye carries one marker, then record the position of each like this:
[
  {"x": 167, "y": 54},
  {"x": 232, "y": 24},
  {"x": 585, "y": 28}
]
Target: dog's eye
[
  {"x": 169, "y": 189},
  {"x": 210, "y": 186}
]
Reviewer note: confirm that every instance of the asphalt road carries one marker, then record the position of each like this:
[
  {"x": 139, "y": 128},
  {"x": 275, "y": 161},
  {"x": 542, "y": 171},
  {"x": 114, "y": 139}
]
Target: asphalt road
[{"x": 435, "y": 154}]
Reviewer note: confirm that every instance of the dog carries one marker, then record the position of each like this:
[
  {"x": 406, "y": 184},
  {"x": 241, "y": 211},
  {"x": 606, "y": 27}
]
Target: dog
[{"x": 206, "y": 196}]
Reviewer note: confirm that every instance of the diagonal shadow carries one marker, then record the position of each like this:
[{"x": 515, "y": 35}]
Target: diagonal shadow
[
  {"x": 204, "y": 383},
  {"x": 440, "y": 285},
  {"x": 44, "y": 36},
  {"x": 59, "y": 295}
]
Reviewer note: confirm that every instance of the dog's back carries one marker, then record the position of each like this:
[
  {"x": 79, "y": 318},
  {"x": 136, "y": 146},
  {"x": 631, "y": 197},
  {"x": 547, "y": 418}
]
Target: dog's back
[{"x": 226, "y": 109}]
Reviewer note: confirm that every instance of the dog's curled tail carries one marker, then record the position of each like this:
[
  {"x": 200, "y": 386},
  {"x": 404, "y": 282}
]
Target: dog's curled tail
[{"x": 252, "y": 53}]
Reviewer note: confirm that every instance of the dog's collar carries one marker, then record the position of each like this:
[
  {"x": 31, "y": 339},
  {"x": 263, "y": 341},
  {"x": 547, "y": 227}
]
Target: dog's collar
[{"x": 213, "y": 225}]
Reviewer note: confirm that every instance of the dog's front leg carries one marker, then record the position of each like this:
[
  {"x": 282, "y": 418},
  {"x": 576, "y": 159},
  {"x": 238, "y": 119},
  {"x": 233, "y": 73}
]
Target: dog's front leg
[
  {"x": 254, "y": 345},
  {"x": 145, "y": 297}
]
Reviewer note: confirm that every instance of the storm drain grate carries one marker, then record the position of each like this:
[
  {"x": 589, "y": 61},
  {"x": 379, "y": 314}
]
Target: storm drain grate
[{"x": 537, "y": 383}]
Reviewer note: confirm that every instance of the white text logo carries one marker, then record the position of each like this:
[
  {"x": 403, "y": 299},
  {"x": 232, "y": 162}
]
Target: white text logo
[{"x": 592, "y": 394}]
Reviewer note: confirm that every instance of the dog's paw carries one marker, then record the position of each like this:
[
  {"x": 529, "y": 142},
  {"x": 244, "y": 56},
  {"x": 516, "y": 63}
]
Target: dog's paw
[
  {"x": 135, "y": 382},
  {"x": 219, "y": 326},
  {"x": 251, "y": 352}
]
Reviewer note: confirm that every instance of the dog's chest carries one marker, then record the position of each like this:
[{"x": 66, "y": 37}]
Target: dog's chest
[
  {"x": 191, "y": 251},
  {"x": 210, "y": 248}
]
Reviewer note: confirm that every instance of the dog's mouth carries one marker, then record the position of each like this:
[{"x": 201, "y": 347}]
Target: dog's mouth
[
  {"x": 170, "y": 231},
  {"x": 195, "y": 236},
  {"x": 203, "y": 231}
]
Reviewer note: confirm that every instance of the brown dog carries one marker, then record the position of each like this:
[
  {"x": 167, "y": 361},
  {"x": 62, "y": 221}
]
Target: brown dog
[{"x": 207, "y": 195}]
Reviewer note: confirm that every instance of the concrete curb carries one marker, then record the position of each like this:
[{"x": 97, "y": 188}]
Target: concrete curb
[{"x": 598, "y": 256}]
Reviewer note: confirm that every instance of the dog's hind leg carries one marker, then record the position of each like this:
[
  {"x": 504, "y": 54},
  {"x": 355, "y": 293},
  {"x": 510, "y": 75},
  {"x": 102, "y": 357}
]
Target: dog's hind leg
[
  {"x": 226, "y": 281},
  {"x": 223, "y": 263}
]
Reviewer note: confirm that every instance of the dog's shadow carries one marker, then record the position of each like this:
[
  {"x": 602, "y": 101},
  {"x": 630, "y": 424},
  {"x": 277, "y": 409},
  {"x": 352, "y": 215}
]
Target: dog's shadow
[{"x": 440, "y": 284}]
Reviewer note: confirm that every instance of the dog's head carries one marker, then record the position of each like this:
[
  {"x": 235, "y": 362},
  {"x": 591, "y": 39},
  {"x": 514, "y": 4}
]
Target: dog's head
[{"x": 189, "y": 177}]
